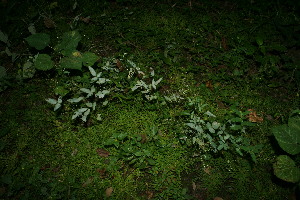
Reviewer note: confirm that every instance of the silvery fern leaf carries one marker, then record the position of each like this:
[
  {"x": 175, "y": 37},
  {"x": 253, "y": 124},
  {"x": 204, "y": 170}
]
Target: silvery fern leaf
[
  {"x": 85, "y": 114},
  {"x": 91, "y": 105},
  {"x": 51, "y": 101},
  {"x": 102, "y": 80},
  {"x": 57, "y": 106},
  {"x": 209, "y": 114},
  {"x": 75, "y": 100},
  {"x": 102, "y": 93},
  {"x": 79, "y": 112},
  {"x": 93, "y": 72},
  {"x": 90, "y": 92},
  {"x": 155, "y": 83}
]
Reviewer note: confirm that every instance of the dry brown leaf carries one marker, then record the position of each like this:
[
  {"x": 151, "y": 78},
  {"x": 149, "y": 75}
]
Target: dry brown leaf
[
  {"x": 149, "y": 194},
  {"x": 207, "y": 170},
  {"x": 209, "y": 85},
  {"x": 194, "y": 186},
  {"x": 109, "y": 191},
  {"x": 224, "y": 43},
  {"x": 86, "y": 19},
  {"x": 102, "y": 152},
  {"x": 102, "y": 172},
  {"x": 49, "y": 23},
  {"x": 218, "y": 198},
  {"x": 88, "y": 181},
  {"x": 253, "y": 117}
]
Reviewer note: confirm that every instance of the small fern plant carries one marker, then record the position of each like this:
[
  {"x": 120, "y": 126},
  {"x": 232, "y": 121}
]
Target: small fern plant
[{"x": 209, "y": 135}]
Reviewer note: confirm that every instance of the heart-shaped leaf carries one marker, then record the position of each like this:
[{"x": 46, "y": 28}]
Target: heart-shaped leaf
[
  {"x": 38, "y": 40},
  {"x": 71, "y": 62},
  {"x": 89, "y": 58},
  {"x": 285, "y": 169},
  {"x": 69, "y": 43},
  {"x": 288, "y": 136},
  {"x": 43, "y": 62}
]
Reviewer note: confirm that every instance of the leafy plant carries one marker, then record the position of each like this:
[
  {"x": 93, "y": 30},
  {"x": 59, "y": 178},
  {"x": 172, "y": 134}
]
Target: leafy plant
[
  {"x": 212, "y": 136},
  {"x": 38, "y": 40},
  {"x": 133, "y": 149},
  {"x": 4, "y": 39},
  {"x": 288, "y": 138}
]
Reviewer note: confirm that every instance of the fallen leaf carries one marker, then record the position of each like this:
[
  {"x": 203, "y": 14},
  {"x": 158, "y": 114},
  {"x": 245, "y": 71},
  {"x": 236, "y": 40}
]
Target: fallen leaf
[
  {"x": 75, "y": 151},
  {"x": 102, "y": 172},
  {"x": 102, "y": 152},
  {"x": 218, "y": 198},
  {"x": 207, "y": 170},
  {"x": 86, "y": 19},
  {"x": 194, "y": 186},
  {"x": 88, "y": 181},
  {"x": 149, "y": 194},
  {"x": 253, "y": 117},
  {"x": 224, "y": 43},
  {"x": 49, "y": 23},
  {"x": 209, "y": 85},
  {"x": 220, "y": 104},
  {"x": 120, "y": 65},
  {"x": 109, "y": 191}
]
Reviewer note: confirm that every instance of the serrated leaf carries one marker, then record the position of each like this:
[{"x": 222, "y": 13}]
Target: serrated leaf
[
  {"x": 38, "y": 40},
  {"x": 288, "y": 136},
  {"x": 43, "y": 62},
  {"x": 285, "y": 169}
]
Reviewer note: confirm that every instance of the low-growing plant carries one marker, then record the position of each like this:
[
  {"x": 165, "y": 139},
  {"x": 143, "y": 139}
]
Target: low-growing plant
[
  {"x": 136, "y": 150},
  {"x": 212, "y": 136},
  {"x": 288, "y": 138}
]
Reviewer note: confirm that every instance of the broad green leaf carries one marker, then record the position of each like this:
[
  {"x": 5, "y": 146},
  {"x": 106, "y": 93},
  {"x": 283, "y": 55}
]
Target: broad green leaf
[
  {"x": 89, "y": 58},
  {"x": 69, "y": 42},
  {"x": 285, "y": 169},
  {"x": 288, "y": 136},
  {"x": 38, "y": 40},
  {"x": 43, "y": 62},
  {"x": 71, "y": 62}
]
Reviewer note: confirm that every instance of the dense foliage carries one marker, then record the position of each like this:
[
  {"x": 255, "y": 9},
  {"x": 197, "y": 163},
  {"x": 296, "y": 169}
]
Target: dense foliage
[{"x": 132, "y": 99}]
